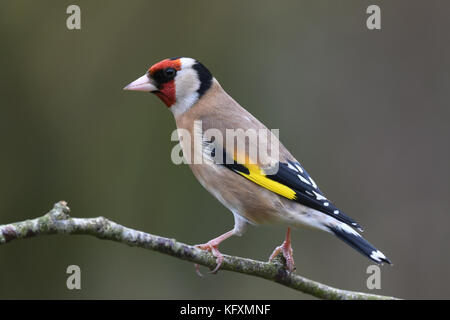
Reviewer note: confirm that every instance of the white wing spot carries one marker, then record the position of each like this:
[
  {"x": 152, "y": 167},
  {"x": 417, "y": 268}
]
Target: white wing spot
[
  {"x": 299, "y": 168},
  {"x": 303, "y": 179},
  {"x": 326, "y": 204},
  {"x": 347, "y": 229},
  {"x": 290, "y": 166},
  {"x": 336, "y": 211},
  {"x": 319, "y": 196},
  {"x": 313, "y": 183},
  {"x": 377, "y": 255}
]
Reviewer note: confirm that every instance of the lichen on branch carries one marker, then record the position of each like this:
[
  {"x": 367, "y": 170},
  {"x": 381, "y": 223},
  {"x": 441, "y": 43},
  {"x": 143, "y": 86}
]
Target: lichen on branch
[{"x": 59, "y": 221}]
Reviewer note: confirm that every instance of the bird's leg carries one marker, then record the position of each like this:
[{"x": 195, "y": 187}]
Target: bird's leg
[
  {"x": 287, "y": 251},
  {"x": 213, "y": 247}
]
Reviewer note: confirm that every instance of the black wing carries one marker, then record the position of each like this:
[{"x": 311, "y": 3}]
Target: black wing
[{"x": 293, "y": 175}]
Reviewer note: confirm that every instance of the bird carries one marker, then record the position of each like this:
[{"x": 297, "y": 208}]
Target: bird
[{"x": 265, "y": 190}]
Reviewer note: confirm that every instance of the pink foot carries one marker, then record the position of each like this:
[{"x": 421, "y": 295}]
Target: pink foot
[
  {"x": 287, "y": 251},
  {"x": 213, "y": 247}
]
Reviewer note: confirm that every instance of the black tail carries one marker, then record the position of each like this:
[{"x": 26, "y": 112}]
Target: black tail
[{"x": 352, "y": 238}]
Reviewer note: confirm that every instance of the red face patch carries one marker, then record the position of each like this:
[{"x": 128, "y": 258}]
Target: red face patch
[
  {"x": 167, "y": 90},
  {"x": 167, "y": 63},
  {"x": 167, "y": 93}
]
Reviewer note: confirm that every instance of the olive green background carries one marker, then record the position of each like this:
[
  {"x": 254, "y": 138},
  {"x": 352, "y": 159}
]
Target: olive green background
[{"x": 366, "y": 112}]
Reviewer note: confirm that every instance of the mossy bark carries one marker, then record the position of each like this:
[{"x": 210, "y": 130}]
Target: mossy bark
[{"x": 58, "y": 221}]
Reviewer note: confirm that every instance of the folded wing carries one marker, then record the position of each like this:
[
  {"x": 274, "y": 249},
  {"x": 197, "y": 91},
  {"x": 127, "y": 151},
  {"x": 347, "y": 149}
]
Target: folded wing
[{"x": 290, "y": 181}]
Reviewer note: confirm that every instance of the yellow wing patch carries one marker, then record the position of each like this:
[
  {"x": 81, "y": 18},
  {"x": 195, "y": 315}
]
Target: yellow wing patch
[{"x": 257, "y": 176}]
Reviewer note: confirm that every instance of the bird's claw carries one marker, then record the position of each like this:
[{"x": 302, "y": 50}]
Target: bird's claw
[
  {"x": 213, "y": 248},
  {"x": 288, "y": 255}
]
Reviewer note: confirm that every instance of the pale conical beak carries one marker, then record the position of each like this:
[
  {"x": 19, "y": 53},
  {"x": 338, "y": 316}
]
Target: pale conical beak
[{"x": 144, "y": 83}]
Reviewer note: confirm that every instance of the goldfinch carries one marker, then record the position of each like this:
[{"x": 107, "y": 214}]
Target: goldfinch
[{"x": 244, "y": 183}]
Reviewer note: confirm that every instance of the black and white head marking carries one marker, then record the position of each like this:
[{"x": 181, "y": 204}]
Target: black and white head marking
[{"x": 191, "y": 83}]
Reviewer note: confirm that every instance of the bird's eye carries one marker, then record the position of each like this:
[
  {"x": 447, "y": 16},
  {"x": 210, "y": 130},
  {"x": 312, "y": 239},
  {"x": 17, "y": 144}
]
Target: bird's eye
[{"x": 170, "y": 73}]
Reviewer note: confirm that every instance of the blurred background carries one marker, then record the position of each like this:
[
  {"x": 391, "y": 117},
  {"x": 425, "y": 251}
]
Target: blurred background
[{"x": 366, "y": 112}]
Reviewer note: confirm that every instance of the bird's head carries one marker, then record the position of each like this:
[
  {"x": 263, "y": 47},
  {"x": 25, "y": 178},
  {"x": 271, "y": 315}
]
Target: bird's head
[{"x": 178, "y": 82}]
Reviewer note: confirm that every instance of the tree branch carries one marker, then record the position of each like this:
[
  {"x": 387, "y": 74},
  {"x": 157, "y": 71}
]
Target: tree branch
[{"x": 58, "y": 221}]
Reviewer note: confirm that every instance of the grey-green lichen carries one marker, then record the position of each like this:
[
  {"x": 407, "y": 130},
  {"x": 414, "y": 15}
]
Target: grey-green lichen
[{"x": 58, "y": 221}]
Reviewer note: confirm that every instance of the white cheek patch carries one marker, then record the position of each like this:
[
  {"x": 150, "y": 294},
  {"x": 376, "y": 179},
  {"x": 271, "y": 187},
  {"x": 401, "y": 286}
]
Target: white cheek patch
[
  {"x": 186, "y": 86},
  {"x": 187, "y": 63},
  {"x": 186, "y": 83}
]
